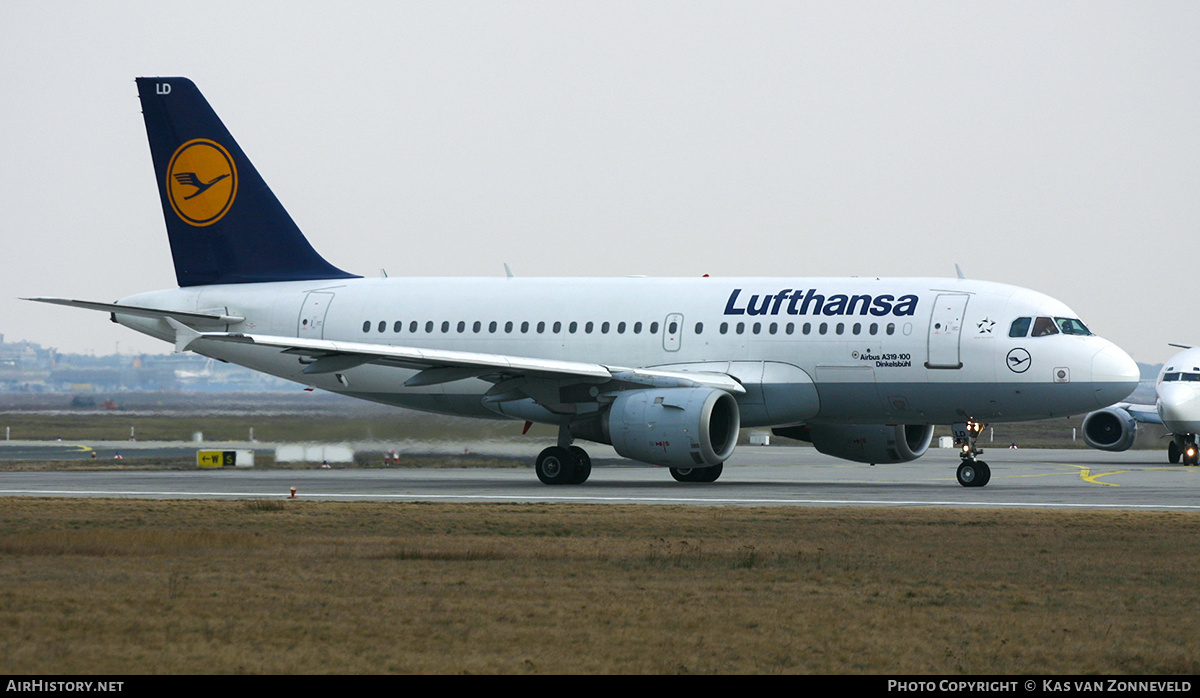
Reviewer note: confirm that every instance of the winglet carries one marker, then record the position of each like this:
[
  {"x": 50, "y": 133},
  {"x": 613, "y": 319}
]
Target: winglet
[{"x": 184, "y": 335}]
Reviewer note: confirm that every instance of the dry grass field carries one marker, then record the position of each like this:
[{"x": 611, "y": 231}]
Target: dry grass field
[{"x": 124, "y": 586}]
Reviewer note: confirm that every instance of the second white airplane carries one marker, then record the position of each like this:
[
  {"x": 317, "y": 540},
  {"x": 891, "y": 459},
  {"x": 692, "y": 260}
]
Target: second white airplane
[
  {"x": 664, "y": 370},
  {"x": 1177, "y": 407}
]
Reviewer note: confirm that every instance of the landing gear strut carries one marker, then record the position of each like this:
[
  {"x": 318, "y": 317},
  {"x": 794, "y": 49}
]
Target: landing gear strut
[{"x": 971, "y": 472}]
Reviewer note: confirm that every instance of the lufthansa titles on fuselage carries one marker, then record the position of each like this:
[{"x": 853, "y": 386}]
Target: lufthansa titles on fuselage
[{"x": 799, "y": 302}]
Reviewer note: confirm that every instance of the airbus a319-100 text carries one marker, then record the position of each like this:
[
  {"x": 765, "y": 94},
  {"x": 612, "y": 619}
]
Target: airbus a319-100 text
[{"x": 666, "y": 370}]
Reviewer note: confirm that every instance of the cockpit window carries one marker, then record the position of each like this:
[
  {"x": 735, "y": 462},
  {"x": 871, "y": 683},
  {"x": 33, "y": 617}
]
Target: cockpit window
[
  {"x": 1020, "y": 327},
  {"x": 1070, "y": 325},
  {"x": 1044, "y": 326},
  {"x": 1177, "y": 376}
]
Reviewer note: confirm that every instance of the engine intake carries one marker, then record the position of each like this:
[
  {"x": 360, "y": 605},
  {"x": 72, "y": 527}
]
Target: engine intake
[{"x": 1109, "y": 429}]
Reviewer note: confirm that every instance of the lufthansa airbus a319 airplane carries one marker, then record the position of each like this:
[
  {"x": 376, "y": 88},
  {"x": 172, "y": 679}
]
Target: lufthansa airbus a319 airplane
[
  {"x": 1177, "y": 407},
  {"x": 665, "y": 370}
]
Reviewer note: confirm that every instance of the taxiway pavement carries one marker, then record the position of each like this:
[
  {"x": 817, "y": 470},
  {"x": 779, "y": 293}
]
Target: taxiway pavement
[{"x": 754, "y": 476}]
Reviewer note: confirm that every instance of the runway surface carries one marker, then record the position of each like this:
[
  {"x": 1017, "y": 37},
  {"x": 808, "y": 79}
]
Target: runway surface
[{"x": 755, "y": 476}]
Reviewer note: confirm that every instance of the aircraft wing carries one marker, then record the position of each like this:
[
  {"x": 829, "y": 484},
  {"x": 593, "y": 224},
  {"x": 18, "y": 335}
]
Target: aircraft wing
[
  {"x": 436, "y": 366},
  {"x": 1141, "y": 413}
]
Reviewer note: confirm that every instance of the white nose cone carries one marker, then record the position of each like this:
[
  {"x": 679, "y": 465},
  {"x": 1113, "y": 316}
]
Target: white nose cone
[
  {"x": 1179, "y": 405},
  {"x": 1115, "y": 375}
]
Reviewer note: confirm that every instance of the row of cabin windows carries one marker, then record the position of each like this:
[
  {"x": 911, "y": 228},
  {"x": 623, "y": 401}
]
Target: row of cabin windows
[
  {"x": 806, "y": 328},
  {"x": 509, "y": 327},
  {"x": 605, "y": 327}
]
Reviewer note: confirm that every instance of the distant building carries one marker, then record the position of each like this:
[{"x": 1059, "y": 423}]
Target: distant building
[{"x": 27, "y": 367}]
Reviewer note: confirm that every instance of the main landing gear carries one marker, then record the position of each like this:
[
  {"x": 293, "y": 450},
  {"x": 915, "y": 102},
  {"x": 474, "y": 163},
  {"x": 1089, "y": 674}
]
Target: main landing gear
[
  {"x": 709, "y": 474},
  {"x": 563, "y": 465},
  {"x": 971, "y": 472}
]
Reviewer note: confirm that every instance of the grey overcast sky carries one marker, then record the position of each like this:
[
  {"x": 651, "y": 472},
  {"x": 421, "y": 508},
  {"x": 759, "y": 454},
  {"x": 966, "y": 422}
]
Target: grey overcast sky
[{"x": 1053, "y": 145}]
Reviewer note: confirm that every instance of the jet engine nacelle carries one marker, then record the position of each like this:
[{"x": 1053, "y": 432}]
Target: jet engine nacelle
[
  {"x": 675, "y": 427},
  {"x": 866, "y": 443},
  {"x": 1109, "y": 429}
]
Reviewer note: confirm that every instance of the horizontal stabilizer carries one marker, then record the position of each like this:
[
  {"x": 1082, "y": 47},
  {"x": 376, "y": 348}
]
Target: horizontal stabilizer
[{"x": 193, "y": 319}]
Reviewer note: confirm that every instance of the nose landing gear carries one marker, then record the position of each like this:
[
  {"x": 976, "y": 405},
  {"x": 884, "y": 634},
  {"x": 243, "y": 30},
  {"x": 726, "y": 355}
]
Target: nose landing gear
[
  {"x": 1183, "y": 448},
  {"x": 972, "y": 472}
]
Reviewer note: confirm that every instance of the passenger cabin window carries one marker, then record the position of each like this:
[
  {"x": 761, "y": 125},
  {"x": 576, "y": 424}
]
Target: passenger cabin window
[{"x": 1020, "y": 327}]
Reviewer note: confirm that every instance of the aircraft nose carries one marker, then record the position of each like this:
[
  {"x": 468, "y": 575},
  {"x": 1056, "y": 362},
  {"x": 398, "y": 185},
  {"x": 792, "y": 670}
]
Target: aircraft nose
[
  {"x": 1114, "y": 374},
  {"x": 1178, "y": 402}
]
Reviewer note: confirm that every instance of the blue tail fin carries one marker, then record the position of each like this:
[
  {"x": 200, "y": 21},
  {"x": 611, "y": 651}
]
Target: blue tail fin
[{"x": 225, "y": 225}]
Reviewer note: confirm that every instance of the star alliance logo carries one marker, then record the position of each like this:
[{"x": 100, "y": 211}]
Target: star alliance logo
[{"x": 985, "y": 326}]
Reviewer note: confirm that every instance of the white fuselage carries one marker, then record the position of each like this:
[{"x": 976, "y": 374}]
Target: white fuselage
[
  {"x": 1178, "y": 389},
  {"x": 816, "y": 350}
]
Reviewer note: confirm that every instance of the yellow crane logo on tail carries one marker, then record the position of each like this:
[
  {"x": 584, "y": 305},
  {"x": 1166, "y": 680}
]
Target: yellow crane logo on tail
[{"x": 201, "y": 182}]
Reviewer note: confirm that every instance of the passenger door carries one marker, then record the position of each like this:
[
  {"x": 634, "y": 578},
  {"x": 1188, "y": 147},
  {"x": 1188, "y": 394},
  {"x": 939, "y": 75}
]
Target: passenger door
[{"x": 945, "y": 330}]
